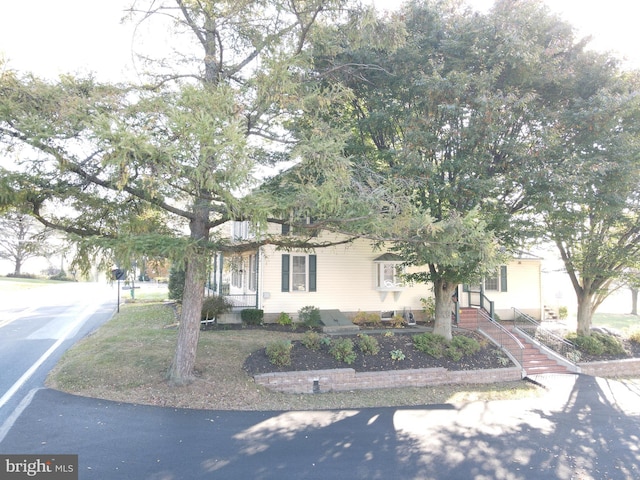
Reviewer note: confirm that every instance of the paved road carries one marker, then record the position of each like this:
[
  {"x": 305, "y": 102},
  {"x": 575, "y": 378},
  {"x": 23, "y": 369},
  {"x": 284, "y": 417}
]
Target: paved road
[
  {"x": 36, "y": 327},
  {"x": 583, "y": 428}
]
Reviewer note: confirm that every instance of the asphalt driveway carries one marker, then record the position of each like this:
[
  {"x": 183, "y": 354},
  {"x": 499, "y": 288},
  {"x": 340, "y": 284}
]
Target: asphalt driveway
[{"x": 583, "y": 428}]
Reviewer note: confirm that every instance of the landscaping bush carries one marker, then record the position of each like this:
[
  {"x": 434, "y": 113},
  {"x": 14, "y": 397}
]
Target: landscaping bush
[
  {"x": 368, "y": 345},
  {"x": 279, "y": 353},
  {"x": 367, "y": 318},
  {"x": 563, "y": 313},
  {"x": 597, "y": 344},
  {"x": 176, "y": 283},
  {"x": 611, "y": 344},
  {"x": 342, "y": 350},
  {"x": 284, "y": 319},
  {"x": 635, "y": 337},
  {"x": 21, "y": 275},
  {"x": 397, "y": 355},
  {"x": 310, "y": 316},
  {"x": 429, "y": 307},
  {"x": 312, "y": 340},
  {"x": 461, "y": 346},
  {"x": 397, "y": 321},
  {"x": 430, "y": 343},
  {"x": 587, "y": 344},
  {"x": 214, "y": 306},
  {"x": 252, "y": 316}
]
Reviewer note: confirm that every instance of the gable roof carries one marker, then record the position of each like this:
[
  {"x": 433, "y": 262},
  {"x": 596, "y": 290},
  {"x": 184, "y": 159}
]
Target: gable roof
[{"x": 389, "y": 257}]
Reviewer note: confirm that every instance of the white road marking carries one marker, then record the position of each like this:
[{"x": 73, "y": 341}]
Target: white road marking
[
  {"x": 70, "y": 328},
  {"x": 6, "y": 426}
]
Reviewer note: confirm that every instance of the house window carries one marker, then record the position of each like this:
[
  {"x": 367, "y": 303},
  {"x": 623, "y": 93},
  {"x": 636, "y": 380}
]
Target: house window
[
  {"x": 237, "y": 272},
  {"x": 389, "y": 272},
  {"x": 241, "y": 231},
  {"x": 389, "y": 275},
  {"x": 496, "y": 282},
  {"x": 253, "y": 272},
  {"x": 298, "y": 273}
]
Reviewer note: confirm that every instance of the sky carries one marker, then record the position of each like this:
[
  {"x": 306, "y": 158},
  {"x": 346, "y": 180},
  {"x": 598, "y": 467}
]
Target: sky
[{"x": 50, "y": 38}]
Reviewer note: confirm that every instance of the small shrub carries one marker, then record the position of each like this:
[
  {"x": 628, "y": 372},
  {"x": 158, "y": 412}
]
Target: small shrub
[
  {"x": 397, "y": 355},
  {"x": 574, "y": 356},
  {"x": 587, "y": 344},
  {"x": 284, "y": 319},
  {"x": 461, "y": 346},
  {"x": 611, "y": 344},
  {"x": 597, "y": 344},
  {"x": 367, "y": 318},
  {"x": 397, "y": 321},
  {"x": 635, "y": 336},
  {"x": 252, "y": 316},
  {"x": 430, "y": 344},
  {"x": 342, "y": 350},
  {"x": 368, "y": 345},
  {"x": 21, "y": 275},
  {"x": 325, "y": 341},
  {"x": 563, "y": 313},
  {"x": 312, "y": 340},
  {"x": 503, "y": 360},
  {"x": 310, "y": 316},
  {"x": 360, "y": 318},
  {"x": 388, "y": 334},
  {"x": 214, "y": 306},
  {"x": 429, "y": 307},
  {"x": 279, "y": 353},
  {"x": 176, "y": 283}
]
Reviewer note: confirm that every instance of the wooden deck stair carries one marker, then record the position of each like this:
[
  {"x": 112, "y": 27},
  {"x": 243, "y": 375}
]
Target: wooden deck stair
[{"x": 535, "y": 361}]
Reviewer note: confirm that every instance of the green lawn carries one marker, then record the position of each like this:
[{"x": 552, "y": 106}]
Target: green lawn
[
  {"x": 10, "y": 284},
  {"x": 619, "y": 321}
]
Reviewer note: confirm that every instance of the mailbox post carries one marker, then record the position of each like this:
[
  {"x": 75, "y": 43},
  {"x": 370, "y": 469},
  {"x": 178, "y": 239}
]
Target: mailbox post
[{"x": 118, "y": 274}]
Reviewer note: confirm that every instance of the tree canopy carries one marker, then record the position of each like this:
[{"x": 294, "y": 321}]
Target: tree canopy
[{"x": 155, "y": 168}]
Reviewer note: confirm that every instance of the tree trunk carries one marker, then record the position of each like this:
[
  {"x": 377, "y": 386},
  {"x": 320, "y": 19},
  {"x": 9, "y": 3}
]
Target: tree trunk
[
  {"x": 634, "y": 301},
  {"x": 442, "y": 291},
  {"x": 181, "y": 370},
  {"x": 585, "y": 314},
  {"x": 18, "y": 268}
]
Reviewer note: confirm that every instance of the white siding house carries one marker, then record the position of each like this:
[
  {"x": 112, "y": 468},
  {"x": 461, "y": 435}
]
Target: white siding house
[{"x": 355, "y": 277}]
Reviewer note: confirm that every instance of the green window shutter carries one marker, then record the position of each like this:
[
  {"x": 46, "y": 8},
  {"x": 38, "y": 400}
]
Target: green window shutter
[
  {"x": 285, "y": 229},
  {"x": 312, "y": 273},
  {"x": 285, "y": 272},
  {"x": 503, "y": 278},
  {"x": 465, "y": 287}
]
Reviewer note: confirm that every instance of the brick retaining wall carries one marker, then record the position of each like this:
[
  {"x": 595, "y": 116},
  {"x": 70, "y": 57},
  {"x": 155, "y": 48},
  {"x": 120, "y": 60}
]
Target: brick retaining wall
[
  {"x": 342, "y": 379},
  {"x": 629, "y": 367}
]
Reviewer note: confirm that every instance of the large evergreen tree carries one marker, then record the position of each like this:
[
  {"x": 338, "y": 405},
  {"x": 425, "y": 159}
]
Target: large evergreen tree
[{"x": 187, "y": 145}]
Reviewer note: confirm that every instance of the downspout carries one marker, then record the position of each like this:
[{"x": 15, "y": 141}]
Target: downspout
[
  {"x": 221, "y": 270},
  {"x": 258, "y": 283}
]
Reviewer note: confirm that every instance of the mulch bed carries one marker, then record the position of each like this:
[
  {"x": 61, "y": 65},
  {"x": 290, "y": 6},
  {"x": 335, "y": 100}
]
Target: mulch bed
[
  {"x": 632, "y": 350},
  {"x": 304, "y": 359}
]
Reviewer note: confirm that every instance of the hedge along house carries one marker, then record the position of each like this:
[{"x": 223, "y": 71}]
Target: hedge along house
[{"x": 354, "y": 277}]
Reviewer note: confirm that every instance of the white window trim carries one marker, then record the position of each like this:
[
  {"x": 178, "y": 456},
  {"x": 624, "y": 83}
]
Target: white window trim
[
  {"x": 306, "y": 273},
  {"x": 394, "y": 286}
]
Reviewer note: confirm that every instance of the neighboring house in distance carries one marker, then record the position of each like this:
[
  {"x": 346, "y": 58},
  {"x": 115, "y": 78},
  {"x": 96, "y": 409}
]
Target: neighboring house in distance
[{"x": 352, "y": 277}]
